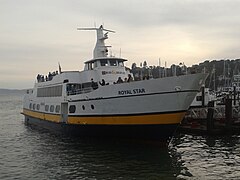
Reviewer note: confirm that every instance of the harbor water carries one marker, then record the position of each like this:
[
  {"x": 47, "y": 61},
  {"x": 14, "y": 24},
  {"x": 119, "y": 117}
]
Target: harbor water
[{"x": 34, "y": 153}]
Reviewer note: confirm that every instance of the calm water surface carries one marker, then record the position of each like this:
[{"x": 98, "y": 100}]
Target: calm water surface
[{"x": 31, "y": 153}]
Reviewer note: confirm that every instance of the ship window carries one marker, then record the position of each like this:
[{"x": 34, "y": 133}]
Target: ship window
[
  {"x": 65, "y": 81},
  {"x": 92, "y": 106},
  {"x": 83, "y": 107},
  {"x": 89, "y": 66},
  {"x": 51, "y": 108},
  {"x": 113, "y": 63},
  {"x": 53, "y": 91},
  {"x": 72, "y": 109},
  {"x": 38, "y": 106},
  {"x": 30, "y": 106},
  {"x": 34, "y": 105},
  {"x": 199, "y": 98},
  {"x": 104, "y": 63},
  {"x": 46, "y": 107},
  {"x": 120, "y": 63},
  {"x": 57, "y": 110},
  {"x": 95, "y": 64},
  {"x": 73, "y": 89}
]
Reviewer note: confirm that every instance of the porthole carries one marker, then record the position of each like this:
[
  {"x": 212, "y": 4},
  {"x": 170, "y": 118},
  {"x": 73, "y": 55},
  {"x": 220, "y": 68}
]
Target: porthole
[
  {"x": 57, "y": 110},
  {"x": 34, "y": 105},
  {"x": 46, "y": 107},
  {"x": 72, "y": 109},
  {"x": 83, "y": 107},
  {"x": 92, "y": 106},
  {"x": 38, "y": 106},
  {"x": 30, "y": 106},
  {"x": 51, "y": 108}
]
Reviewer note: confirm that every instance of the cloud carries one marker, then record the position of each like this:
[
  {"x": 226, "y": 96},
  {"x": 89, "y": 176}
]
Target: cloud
[{"x": 35, "y": 35}]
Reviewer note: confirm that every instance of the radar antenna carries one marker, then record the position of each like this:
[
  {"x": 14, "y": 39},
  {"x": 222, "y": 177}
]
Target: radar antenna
[{"x": 100, "y": 49}]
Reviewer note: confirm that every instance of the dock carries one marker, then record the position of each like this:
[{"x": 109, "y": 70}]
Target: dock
[{"x": 213, "y": 119}]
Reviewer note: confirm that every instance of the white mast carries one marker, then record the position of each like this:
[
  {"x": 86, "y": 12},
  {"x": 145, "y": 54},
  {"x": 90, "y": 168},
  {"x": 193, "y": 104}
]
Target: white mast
[
  {"x": 159, "y": 63},
  {"x": 100, "y": 49}
]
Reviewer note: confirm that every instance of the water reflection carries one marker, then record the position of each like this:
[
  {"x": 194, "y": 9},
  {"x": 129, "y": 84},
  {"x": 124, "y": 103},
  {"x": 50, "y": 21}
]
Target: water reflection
[
  {"x": 61, "y": 157},
  {"x": 28, "y": 153},
  {"x": 203, "y": 157}
]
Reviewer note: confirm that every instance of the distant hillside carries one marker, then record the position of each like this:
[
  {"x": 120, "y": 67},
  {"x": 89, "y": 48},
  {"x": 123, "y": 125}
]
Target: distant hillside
[
  {"x": 12, "y": 91},
  {"x": 221, "y": 72}
]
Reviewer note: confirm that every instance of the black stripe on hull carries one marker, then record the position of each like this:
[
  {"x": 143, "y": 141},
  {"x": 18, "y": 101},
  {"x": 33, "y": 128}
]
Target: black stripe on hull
[{"x": 162, "y": 132}]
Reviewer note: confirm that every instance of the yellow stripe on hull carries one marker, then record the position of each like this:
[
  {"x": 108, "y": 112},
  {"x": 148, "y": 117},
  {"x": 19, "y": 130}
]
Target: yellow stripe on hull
[
  {"x": 174, "y": 118},
  {"x": 166, "y": 118},
  {"x": 43, "y": 116}
]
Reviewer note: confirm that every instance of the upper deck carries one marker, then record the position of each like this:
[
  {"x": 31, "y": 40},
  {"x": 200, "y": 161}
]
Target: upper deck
[{"x": 101, "y": 68}]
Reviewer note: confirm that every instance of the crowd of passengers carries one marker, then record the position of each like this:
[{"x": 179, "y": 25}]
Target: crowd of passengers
[
  {"x": 41, "y": 78},
  {"x": 119, "y": 80},
  {"x": 73, "y": 89}
]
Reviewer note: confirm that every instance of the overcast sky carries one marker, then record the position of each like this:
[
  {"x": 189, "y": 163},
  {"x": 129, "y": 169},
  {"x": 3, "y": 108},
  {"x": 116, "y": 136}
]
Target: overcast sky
[{"x": 36, "y": 35}]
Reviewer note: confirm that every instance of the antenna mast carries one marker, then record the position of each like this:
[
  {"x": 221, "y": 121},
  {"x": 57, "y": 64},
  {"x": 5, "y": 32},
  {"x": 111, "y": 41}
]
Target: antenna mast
[{"x": 100, "y": 50}]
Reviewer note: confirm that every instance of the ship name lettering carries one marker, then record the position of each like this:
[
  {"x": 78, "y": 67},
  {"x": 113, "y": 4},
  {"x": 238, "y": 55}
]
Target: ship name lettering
[
  {"x": 134, "y": 91},
  {"x": 138, "y": 91}
]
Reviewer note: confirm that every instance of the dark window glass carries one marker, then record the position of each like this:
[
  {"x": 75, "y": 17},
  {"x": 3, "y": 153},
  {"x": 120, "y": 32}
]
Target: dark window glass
[
  {"x": 51, "y": 108},
  {"x": 53, "y": 91},
  {"x": 30, "y": 106},
  {"x": 83, "y": 107},
  {"x": 104, "y": 63},
  {"x": 65, "y": 81},
  {"x": 92, "y": 106},
  {"x": 46, "y": 107},
  {"x": 38, "y": 106},
  {"x": 199, "y": 98},
  {"x": 72, "y": 109},
  {"x": 113, "y": 63},
  {"x": 57, "y": 110},
  {"x": 34, "y": 106}
]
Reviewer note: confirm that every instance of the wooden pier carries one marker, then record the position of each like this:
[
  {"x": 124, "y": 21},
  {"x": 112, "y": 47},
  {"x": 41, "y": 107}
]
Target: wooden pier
[{"x": 214, "y": 119}]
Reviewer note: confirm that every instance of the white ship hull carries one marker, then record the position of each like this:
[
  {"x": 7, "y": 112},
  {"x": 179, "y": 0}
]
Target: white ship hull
[{"x": 153, "y": 102}]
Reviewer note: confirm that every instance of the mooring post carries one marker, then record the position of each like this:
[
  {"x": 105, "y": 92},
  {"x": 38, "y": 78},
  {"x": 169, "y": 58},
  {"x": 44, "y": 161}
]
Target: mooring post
[
  {"x": 234, "y": 95},
  {"x": 228, "y": 112},
  {"x": 203, "y": 96},
  {"x": 210, "y": 121}
]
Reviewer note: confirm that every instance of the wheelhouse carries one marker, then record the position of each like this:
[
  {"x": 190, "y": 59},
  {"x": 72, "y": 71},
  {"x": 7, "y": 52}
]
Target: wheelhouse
[{"x": 100, "y": 63}]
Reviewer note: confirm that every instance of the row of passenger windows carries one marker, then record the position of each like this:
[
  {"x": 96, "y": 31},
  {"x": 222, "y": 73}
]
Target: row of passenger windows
[
  {"x": 53, "y": 91},
  {"x": 50, "y": 108},
  {"x": 72, "y": 108}
]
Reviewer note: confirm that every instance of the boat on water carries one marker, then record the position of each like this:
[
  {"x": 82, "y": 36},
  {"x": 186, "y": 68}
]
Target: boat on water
[
  {"x": 103, "y": 100},
  {"x": 203, "y": 98}
]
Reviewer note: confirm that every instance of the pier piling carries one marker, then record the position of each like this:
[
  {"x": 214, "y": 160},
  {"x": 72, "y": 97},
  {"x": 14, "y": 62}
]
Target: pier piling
[
  {"x": 203, "y": 96},
  {"x": 228, "y": 113},
  {"x": 210, "y": 120},
  {"x": 234, "y": 95}
]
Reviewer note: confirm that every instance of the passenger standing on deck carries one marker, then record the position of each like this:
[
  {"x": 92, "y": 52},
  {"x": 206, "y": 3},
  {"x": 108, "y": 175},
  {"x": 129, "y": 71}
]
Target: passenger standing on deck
[
  {"x": 38, "y": 77},
  {"x": 94, "y": 84},
  {"x": 42, "y": 78},
  {"x": 49, "y": 76},
  {"x": 130, "y": 79},
  {"x": 102, "y": 83},
  {"x": 119, "y": 80}
]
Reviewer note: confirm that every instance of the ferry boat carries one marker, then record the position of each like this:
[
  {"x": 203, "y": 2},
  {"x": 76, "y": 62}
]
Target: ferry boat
[{"x": 104, "y": 101}]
